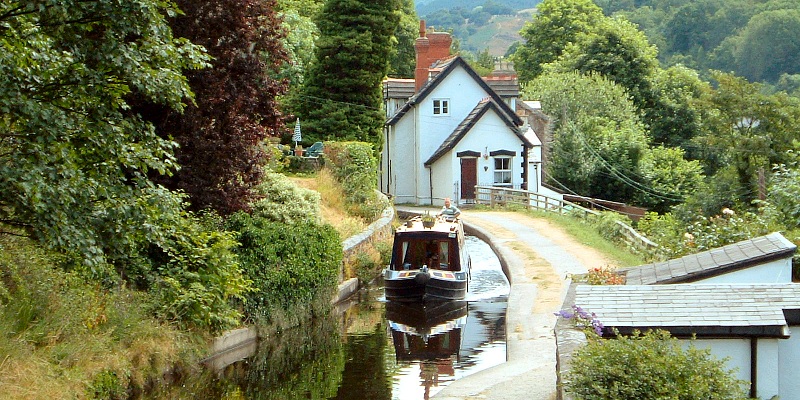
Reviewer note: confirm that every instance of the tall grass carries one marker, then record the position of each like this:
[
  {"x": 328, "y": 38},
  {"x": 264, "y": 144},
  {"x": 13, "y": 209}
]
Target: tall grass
[{"x": 63, "y": 338}]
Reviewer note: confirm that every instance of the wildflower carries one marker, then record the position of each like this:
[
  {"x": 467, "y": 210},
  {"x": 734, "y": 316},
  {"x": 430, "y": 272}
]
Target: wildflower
[{"x": 727, "y": 211}]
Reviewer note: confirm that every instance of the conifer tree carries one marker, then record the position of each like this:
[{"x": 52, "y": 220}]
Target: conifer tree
[{"x": 341, "y": 99}]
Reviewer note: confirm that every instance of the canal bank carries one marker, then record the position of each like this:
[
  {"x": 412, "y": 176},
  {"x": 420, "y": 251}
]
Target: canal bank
[{"x": 538, "y": 259}]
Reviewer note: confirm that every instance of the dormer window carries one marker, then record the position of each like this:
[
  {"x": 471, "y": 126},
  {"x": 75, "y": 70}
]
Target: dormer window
[{"x": 441, "y": 107}]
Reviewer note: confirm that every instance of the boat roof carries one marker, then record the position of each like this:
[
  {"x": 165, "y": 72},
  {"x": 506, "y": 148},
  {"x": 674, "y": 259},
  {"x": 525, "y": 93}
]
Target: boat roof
[{"x": 442, "y": 227}]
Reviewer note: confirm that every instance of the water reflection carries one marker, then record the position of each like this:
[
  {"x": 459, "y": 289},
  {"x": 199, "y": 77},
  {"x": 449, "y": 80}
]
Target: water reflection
[{"x": 373, "y": 350}]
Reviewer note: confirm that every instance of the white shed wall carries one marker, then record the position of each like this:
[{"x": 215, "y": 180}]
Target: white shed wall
[
  {"x": 789, "y": 365},
  {"x": 737, "y": 349},
  {"x": 778, "y": 271}
]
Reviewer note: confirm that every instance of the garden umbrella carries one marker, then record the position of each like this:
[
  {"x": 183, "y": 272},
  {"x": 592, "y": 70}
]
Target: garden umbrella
[{"x": 296, "y": 136}]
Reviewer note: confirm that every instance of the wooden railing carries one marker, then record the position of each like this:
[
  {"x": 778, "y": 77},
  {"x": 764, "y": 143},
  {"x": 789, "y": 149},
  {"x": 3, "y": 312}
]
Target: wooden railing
[{"x": 501, "y": 196}]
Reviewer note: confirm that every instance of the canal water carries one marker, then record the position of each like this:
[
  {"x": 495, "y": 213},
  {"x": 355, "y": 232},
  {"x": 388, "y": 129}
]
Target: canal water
[{"x": 375, "y": 349}]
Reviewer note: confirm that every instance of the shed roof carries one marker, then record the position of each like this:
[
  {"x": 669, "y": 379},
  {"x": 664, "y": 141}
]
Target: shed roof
[
  {"x": 714, "y": 310},
  {"x": 713, "y": 262}
]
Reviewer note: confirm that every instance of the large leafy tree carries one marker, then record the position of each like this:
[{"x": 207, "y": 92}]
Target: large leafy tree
[
  {"x": 557, "y": 23},
  {"x": 298, "y": 18},
  {"x": 221, "y": 137},
  {"x": 598, "y": 138},
  {"x": 403, "y": 61},
  {"x": 74, "y": 159},
  {"x": 341, "y": 98},
  {"x": 747, "y": 132},
  {"x": 764, "y": 50}
]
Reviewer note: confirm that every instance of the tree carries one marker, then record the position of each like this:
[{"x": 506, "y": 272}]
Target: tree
[
  {"x": 558, "y": 23},
  {"x": 598, "y": 138},
  {"x": 403, "y": 56},
  {"x": 342, "y": 97},
  {"x": 747, "y": 131},
  {"x": 764, "y": 53},
  {"x": 618, "y": 51},
  {"x": 670, "y": 177},
  {"x": 74, "y": 159},
  {"x": 297, "y": 18},
  {"x": 645, "y": 366},
  {"x": 221, "y": 136}
]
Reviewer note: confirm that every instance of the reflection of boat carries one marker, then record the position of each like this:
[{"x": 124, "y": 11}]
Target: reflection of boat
[
  {"x": 428, "y": 263},
  {"x": 430, "y": 333}
]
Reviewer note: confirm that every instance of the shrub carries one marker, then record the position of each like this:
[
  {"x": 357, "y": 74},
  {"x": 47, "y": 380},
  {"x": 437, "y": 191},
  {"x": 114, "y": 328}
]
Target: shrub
[
  {"x": 280, "y": 200},
  {"x": 355, "y": 168},
  {"x": 607, "y": 225},
  {"x": 198, "y": 276},
  {"x": 601, "y": 276},
  {"x": 649, "y": 366},
  {"x": 289, "y": 265}
]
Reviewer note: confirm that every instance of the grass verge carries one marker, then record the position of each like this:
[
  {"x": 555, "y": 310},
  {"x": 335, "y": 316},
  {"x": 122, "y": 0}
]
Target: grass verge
[{"x": 583, "y": 233}]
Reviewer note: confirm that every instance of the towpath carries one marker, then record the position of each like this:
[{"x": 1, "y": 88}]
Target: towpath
[{"x": 538, "y": 257}]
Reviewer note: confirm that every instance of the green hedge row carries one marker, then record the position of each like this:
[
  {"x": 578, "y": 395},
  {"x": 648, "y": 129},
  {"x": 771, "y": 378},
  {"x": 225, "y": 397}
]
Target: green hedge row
[{"x": 289, "y": 265}]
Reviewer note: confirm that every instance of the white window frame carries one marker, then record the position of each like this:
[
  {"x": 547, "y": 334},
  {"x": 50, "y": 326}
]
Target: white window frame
[
  {"x": 501, "y": 173},
  {"x": 441, "y": 106}
]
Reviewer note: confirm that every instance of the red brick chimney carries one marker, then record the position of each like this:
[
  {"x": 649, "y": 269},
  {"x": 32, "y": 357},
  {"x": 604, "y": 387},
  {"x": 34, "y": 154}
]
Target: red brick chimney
[{"x": 430, "y": 47}]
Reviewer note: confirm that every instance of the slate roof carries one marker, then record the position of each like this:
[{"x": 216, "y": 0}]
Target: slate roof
[
  {"x": 504, "y": 86},
  {"x": 446, "y": 67},
  {"x": 464, "y": 127},
  {"x": 714, "y": 262},
  {"x": 398, "y": 88},
  {"x": 721, "y": 310}
]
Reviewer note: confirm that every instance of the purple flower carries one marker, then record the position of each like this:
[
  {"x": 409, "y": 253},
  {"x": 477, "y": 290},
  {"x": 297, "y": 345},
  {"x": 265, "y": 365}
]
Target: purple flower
[{"x": 564, "y": 314}]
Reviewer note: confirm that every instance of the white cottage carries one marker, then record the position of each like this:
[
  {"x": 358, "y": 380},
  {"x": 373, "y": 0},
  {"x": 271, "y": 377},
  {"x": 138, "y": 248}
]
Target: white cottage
[{"x": 450, "y": 129}]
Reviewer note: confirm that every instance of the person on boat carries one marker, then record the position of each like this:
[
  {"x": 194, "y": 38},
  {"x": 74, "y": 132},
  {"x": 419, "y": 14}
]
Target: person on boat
[{"x": 449, "y": 210}]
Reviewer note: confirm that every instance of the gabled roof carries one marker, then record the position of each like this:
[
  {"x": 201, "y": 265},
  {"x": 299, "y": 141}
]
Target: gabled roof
[
  {"x": 447, "y": 67},
  {"x": 466, "y": 125},
  {"x": 714, "y": 310},
  {"x": 714, "y": 262}
]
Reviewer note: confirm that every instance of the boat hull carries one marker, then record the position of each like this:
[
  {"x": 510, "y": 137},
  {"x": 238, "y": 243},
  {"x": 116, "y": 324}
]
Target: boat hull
[{"x": 410, "y": 286}]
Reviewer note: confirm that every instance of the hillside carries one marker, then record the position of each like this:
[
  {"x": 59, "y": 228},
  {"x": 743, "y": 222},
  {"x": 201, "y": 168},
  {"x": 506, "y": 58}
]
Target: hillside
[{"x": 479, "y": 25}]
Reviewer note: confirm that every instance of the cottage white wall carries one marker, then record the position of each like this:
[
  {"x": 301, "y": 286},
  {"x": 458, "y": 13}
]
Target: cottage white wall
[
  {"x": 403, "y": 160},
  {"x": 789, "y": 365},
  {"x": 768, "y": 367},
  {"x": 444, "y": 178},
  {"x": 778, "y": 271},
  {"x": 777, "y": 362},
  {"x": 489, "y": 134},
  {"x": 463, "y": 94}
]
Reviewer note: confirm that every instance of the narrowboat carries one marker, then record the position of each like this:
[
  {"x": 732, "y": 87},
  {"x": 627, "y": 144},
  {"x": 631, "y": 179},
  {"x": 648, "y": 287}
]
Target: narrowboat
[{"x": 429, "y": 261}]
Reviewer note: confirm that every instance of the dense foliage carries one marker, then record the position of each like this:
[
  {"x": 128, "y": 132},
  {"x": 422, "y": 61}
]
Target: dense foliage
[
  {"x": 73, "y": 159},
  {"x": 645, "y": 366},
  {"x": 341, "y": 98},
  {"x": 403, "y": 56},
  {"x": 221, "y": 135},
  {"x": 742, "y": 36},
  {"x": 290, "y": 266}
]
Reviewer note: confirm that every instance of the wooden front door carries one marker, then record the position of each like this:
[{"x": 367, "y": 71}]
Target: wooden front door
[{"x": 469, "y": 177}]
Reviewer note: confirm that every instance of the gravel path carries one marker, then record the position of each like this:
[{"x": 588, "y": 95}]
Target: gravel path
[{"x": 539, "y": 258}]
